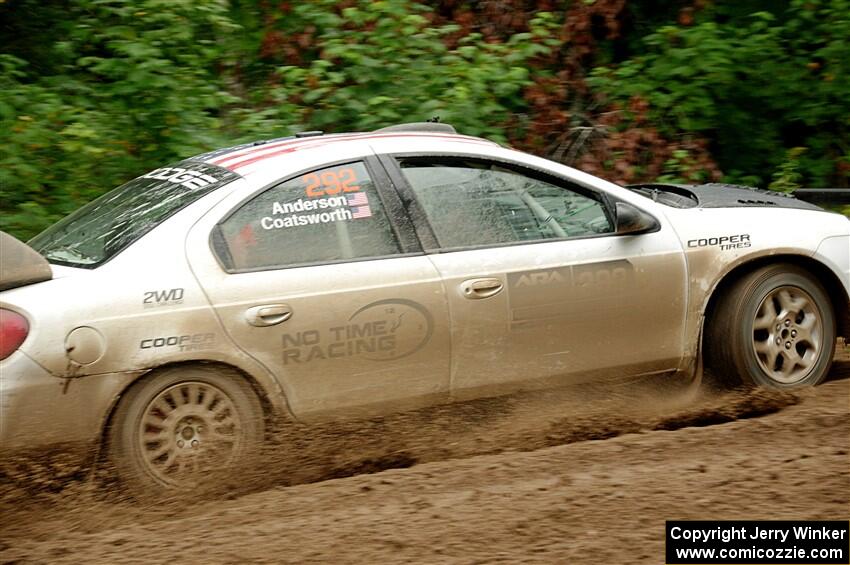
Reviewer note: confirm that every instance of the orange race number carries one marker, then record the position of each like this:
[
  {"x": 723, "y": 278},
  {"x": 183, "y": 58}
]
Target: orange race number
[{"x": 330, "y": 182}]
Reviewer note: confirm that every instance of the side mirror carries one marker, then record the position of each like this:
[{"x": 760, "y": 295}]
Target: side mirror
[{"x": 631, "y": 220}]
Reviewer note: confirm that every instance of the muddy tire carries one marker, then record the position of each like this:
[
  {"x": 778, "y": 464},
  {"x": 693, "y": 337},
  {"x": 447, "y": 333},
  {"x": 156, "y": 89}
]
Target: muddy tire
[
  {"x": 773, "y": 328},
  {"x": 184, "y": 429}
]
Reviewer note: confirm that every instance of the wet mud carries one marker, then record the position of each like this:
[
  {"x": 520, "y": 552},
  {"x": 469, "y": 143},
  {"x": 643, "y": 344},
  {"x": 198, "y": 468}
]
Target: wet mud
[{"x": 535, "y": 477}]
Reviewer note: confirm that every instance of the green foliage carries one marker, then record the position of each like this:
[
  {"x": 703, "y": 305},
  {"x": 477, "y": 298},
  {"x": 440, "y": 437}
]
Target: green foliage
[
  {"x": 126, "y": 86},
  {"x": 787, "y": 177},
  {"x": 383, "y": 63},
  {"x": 757, "y": 87},
  {"x": 95, "y": 92},
  {"x": 128, "y": 89},
  {"x": 679, "y": 169}
]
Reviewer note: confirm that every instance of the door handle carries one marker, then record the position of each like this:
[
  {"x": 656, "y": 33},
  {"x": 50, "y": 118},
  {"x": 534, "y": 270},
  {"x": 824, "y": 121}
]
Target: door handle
[
  {"x": 475, "y": 289},
  {"x": 268, "y": 314}
]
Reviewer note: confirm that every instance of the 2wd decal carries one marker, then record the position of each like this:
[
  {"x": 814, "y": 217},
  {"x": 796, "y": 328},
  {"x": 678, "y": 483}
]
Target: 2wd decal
[
  {"x": 155, "y": 298},
  {"x": 381, "y": 331}
]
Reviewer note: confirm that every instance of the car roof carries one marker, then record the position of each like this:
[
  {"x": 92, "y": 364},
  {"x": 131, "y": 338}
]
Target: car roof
[{"x": 423, "y": 136}]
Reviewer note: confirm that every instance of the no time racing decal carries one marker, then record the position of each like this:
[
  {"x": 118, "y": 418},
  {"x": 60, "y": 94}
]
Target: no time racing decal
[
  {"x": 380, "y": 331},
  {"x": 724, "y": 242}
]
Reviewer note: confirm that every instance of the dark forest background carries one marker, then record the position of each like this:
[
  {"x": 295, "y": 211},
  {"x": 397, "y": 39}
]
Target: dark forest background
[{"x": 95, "y": 92}]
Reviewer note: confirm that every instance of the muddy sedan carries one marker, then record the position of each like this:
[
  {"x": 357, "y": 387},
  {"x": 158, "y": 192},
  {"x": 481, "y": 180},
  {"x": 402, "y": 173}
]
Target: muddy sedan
[{"x": 321, "y": 276}]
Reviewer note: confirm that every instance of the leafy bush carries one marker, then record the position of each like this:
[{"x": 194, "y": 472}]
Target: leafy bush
[
  {"x": 757, "y": 87},
  {"x": 94, "y": 92},
  {"x": 124, "y": 87},
  {"x": 372, "y": 64},
  {"x": 127, "y": 86}
]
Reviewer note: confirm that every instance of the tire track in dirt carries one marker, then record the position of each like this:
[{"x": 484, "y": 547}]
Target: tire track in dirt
[
  {"x": 300, "y": 454},
  {"x": 578, "y": 502}
]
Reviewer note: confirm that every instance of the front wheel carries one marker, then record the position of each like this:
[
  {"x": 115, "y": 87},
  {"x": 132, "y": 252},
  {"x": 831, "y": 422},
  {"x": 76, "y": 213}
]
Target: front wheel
[
  {"x": 774, "y": 328},
  {"x": 183, "y": 428}
]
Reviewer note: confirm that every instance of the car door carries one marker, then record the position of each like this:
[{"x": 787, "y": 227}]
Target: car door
[
  {"x": 316, "y": 282},
  {"x": 540, "y": 288}
]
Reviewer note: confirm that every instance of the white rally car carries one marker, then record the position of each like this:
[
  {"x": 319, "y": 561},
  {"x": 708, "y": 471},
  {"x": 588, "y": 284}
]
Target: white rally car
[{"x": 325, "y": 275}]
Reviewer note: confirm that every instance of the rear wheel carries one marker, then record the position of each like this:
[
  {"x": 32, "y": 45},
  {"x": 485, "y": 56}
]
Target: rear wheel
[
  {"x": 773, "y": 328},
  {"x": 183, "y": 429}
]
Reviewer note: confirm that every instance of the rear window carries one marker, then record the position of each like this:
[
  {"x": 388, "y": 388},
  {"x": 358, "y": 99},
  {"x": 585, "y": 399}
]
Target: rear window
[{"x": 104, "y": 227}]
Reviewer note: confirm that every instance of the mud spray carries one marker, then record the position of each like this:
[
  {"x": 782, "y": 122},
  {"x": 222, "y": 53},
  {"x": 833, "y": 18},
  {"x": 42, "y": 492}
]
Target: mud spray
[{"x": 299, "y": 453}]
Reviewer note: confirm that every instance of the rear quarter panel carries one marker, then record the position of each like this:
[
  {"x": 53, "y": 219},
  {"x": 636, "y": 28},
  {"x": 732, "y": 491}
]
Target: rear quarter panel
[{"x": 145, "y": 307}]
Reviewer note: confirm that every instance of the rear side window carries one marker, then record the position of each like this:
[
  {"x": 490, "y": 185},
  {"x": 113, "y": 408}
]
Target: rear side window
[
  {"x": 472, "y": 204},
  {"x": 327, "y": 215}
]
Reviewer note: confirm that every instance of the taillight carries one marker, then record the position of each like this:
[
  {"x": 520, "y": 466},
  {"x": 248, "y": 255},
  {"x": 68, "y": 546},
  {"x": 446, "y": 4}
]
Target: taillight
[{"x": 13, "y": 331}]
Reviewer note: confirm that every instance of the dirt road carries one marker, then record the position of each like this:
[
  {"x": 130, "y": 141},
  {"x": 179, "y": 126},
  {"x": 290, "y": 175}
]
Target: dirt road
[{"x": 499, "y": 481}]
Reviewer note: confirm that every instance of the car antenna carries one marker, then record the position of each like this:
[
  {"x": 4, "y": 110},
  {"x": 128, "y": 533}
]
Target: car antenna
[{"x": 433, "y": 120}]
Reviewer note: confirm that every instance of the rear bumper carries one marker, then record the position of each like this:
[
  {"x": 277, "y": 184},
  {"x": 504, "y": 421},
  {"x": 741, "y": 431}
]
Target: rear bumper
[{"x": 39, "y": 411}]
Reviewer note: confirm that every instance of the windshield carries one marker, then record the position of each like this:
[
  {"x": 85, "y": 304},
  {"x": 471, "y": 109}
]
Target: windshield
[{"x": 102, "y": 228}]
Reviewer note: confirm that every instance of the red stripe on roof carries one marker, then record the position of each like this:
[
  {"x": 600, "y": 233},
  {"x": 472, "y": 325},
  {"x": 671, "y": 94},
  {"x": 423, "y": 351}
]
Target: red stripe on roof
[
  {"x": 290, "y": 146},
  {"x": 252, "y": 160},
  {"x": 247, "y": 159},
  {"x": 258, "y": 148}
]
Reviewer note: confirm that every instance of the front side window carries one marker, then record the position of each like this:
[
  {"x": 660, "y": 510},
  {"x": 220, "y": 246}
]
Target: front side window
[
  {"x": 327, "y": 215},
  {"x": 102, "y": 228},
  {"x": 470, "y": 203}
]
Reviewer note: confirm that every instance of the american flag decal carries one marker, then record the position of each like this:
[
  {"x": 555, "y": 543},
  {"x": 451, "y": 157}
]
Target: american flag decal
[{"x": 359, "y": 204}]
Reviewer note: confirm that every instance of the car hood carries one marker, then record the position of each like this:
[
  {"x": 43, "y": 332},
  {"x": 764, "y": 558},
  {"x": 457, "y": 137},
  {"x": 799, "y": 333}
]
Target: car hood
[{"x": 716, "y": 195}]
